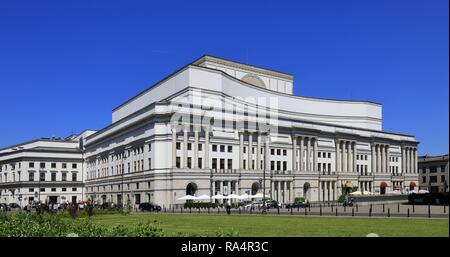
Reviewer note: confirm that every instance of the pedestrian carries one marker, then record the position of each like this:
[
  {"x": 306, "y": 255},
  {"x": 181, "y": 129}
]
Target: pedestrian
[{"x": 228, "y": 207}]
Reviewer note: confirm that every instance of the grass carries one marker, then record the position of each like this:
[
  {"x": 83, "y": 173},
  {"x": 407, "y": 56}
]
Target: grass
[{"x": 294, "y": 226}]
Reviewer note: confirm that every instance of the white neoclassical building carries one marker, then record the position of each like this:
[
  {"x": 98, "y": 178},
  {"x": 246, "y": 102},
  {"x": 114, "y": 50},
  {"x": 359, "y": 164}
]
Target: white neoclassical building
[
  {"x": 219, "y": 126},
  {"x": 45, "y": 169}
]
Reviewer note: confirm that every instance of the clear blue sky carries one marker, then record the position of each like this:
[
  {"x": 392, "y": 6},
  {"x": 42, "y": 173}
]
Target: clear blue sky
[{"x": 64, "y": 65}]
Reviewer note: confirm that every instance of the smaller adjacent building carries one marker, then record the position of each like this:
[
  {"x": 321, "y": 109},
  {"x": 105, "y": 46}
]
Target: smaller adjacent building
[
  {"x": 45, "y": 169},
  {"x": 433, "y": 173}
]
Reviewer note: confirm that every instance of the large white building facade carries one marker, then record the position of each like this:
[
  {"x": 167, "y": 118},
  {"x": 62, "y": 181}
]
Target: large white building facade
[
  {"x": 45, "y": 170},
  {"x": 218, "y": 126}
]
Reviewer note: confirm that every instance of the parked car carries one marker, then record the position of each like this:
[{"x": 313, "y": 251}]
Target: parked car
[
  {"x": 256, "y": 204},
  {"x": 272, "y": 204},
  {"x": 4, "y": 207},
  {"x": 348, "y": 202},
  {"x": 13, "y": 206},
  {"x": 149, "y": 207},
  {"x": 298, "y": 204}
]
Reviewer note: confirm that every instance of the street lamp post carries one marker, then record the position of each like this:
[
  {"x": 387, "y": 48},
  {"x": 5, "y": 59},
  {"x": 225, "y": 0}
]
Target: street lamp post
[{"x": 264, "y": 175}]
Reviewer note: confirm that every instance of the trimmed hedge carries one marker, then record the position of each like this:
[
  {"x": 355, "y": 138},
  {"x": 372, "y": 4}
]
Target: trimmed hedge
[{"x": 200, "y": 205}]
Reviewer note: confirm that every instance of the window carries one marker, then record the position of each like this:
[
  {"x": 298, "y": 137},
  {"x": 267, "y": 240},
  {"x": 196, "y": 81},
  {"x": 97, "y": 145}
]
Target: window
[
  {"x": 74, "y": 176},
  {"x": 74, "y": 165},
  {"x": 189, "y": 146},
  {"x": 433, "y": 179},
  {"x": 357, "y": 157},
  {"x": 149, "y": 147},
  {"x": 42, "y": 189},
  {"x": 42, "y": 176},
  {"x": 74, "y": 189},
  {"x": 178, "y": 145},
  {"x": 329, "y": 155},
  {"x": 329, "y": 166},
  {"x": 53, "y": 189},
  {"x": 200, "y": 163},
  {"x": 189, "y": 162},
  {"x": 137, "y": 185},
  {"x": 31, "y": 176},
  {"x": 272, "y": 151},
  {"x": 31, "y": 190},
  {"x": 149, "y": 163},
  {"x": 230, "y": 164},
  {"x": 42, "y": 165},
  {"x": 178, "y": 164},
  {"x": 53, "y": 165},
  {"x": 272, "y": 165},
  {"x": 31, "y": 165},
  {"x": 214, "y": 148},
  {"x": 424, "y": 170},
  {"x": 63, "y": 176},
  {"x": 222, "y": 164},
  {"x": 278, "y": 165},
  {"x": 64, "y": 189},
  {"x": 200, "y": 147},
  {"x": 442, "y": 168},
  {"x": 214, "y": 163},
  {"x": 222, "y": 148},
  {"x": 284, "y": 152},
  {"x": 442, "y": 178},
  {"x": 245, "y": 149},
  {"x": 64, "y": 165},
  {"x": 278, "y": 151},
  {"x": 285, "y": 165},
  {"x": 230, "y": 149},
  {"x": 318, "y": 166},
  {"x": 433, "y": 169},
  {"x": 53, "y": 174}
]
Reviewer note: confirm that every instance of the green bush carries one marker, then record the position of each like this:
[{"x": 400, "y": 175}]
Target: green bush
[{"x": 299, "y": 199}]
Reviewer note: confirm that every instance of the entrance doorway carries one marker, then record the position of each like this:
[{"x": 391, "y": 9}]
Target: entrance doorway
[{"x": 52, "y": 199}]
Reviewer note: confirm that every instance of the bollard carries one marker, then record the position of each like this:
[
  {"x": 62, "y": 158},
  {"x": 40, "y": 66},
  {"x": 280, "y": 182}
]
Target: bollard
[
  {"x": 320, "y": 210},
  {"x": 389, "y": 212},
  {"x": 198, "y": 209},
  {"x": 298, "y": 208},
  {"x": 251, "y": 209},
  {"x": 429, "y": 212},
  {"x": 356, "y": 207},
  {"x": 218, "y": 210},
  {"x": 181, "y": 208},
  {"x": 190, "y": 210},
  {"x": 278, "y": 210},
  {"x": 345, "y": 209},
  {"x": 165, "y": 209},
  {"x": 336, "y": 212},
  {"x": 408, "y": 213},
  {"x": 173, "y": 209},
  {"x": 414, "y": 208},
  {"x": 383, "y": 207},
  {"x": 331, "y": 208},
  {"x": 239, "y": 210},
  {"x": 370, "y": 211},
  {"x": 305, "y": 211},
  {"x": 398, "y": 207},
  {"x": 291, "y": 211},
  {"x": 309, "y": 207},
  {"x": 444, "y": 209},
  {"x": 353, "y": 212}
]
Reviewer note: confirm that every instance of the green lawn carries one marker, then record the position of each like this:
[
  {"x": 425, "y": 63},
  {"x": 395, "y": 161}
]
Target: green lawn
[{"x": 247, "y": 225}]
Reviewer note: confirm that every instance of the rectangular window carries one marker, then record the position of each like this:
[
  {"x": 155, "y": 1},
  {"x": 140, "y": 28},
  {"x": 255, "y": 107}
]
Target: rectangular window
[
  {"x": 272, "y": 165},
  {"x": 137, "y": 185},
  {"x": 318, "y": 166},
  {"x": 433, "y": 179},
  {"x": 53, "y": 189},
  {"x": 189, "y": 162},
  {"x": 42, "y": 165},
  {"x": 64, "y": 176},
  {"x": 329, "y": 155},
  {"x": 149, "y": 163},
  {"x": 74, "y": 165},
  {"x": 222, "y": 164},
  {"x": 230, "y": 149},
  {"x": 284, "y": 152},
  {"x": 53, "y": 165},
  {"x": 178, "y": 145},
  {"x": 214, "y": 164},
  {"x": 278, "y": 165},
  {"x": 214, "y": 148},
  {"x": 329, "y": 166},
  {"x": 64, "y": 165},
  {"x": 31, "y": 165},
  {"x": 230, "y": 164},
  {"x": 178, "y": 164},
  {"x": 357, "y": 157},
  {"x": 424, "y": 170},
  {"x": 200, "y": 147},
  {"x": 424, "y": 179},
  {"x": 200, "y": 165},
  {"x": 442, "y": 168},
  {"x": 278, "y": 151},
  {"x": 42, "y": 189},
  {"x": 31, "y": 176},
  {"x": 53, "y": 174},
  {"x": 319, "y": 154},
  {"x": 149, "y": 147},
  {"x": 222, "y": 148},
  {"x": 64, "y": 189},
  {"x": 245, "y": 164},
  {"x": 433, "y": 169},
  {"x": 244, "y": 150},
  {"x": 74, "y": 176},
  {"x": 189, "y": 146},
  {"x": 74, "y": 189},
  {"x": 31, "y": 190},
  {"x": 42, "y": 176},
  {"x": 442, "y": 178}
]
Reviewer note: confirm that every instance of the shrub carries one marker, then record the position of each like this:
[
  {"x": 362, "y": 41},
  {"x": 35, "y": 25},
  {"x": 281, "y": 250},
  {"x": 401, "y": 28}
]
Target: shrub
[
  {"x": 299, "y": 199},
  {"x": 199, "y": 205}
]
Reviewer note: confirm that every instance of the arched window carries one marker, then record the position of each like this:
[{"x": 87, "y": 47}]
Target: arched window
[
  {"x": 255, "y": 188},
  {"x": 191, "y": 189}
]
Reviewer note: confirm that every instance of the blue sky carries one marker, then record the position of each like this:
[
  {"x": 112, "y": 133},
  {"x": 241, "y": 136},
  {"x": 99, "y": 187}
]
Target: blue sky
[{"x": 64, "y": 65}]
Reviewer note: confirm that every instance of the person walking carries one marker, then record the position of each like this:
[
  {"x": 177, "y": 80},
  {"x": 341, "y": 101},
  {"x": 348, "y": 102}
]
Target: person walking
[{"x": 228, "y": 207}]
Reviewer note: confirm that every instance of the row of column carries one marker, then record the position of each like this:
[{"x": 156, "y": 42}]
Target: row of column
[
  {"x": 328, "y": 191},
  {"x": 184, "y": 163},
  {"x": 380, "y": 158},
  {"x": 409, "y": 159},
  {"x": 309, "y": 166},
  {"x": 221, "y": 187},
  {"x": 259, "y": 137},
  {"x": 282, "y": 191},
  {"x": 345, "y": 155}
]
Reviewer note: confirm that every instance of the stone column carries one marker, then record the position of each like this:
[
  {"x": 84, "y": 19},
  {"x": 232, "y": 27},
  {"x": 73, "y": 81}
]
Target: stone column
[
  {"x": 302, "y": 147},
  {"x": 410, "y": 160},
  {"x": 206, "y": 149},
  {"x": 354, "y": 156},
  {"x": 267, "y": 153},
  {"x": 344, "y": 156},
  {"x": 294, "y": 152},
  {"x": 378, "y": 169},
  {"x": 407, "y": 159},
  {"x": 338, "y": 163},
  {"x": 350, "y": 157},
  {"x": 320, "y": 190},
  {"x": 279, "y": 191},
  {"x": 415, "y": 161},
  {"x": 195, "y": 160},
  {"x": 236, "y": 183},
  {"x": 403, "y": 160},
  {"x": 241, "y": 150},
  {"x": 387, "y": 158},
  {"x": 174, "y": 147},
  {"x": 250, "y": 155},
  {"x": 185, "y": 151},
  {"x": 315, "y": 155},
  {"x": 372, "y": 159},
  {"x": 213, "y": 186},
  {"x": 308, "y": 142},
  {"x": 221, "y": 187},
  {"x": 258, "y": 152}
]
